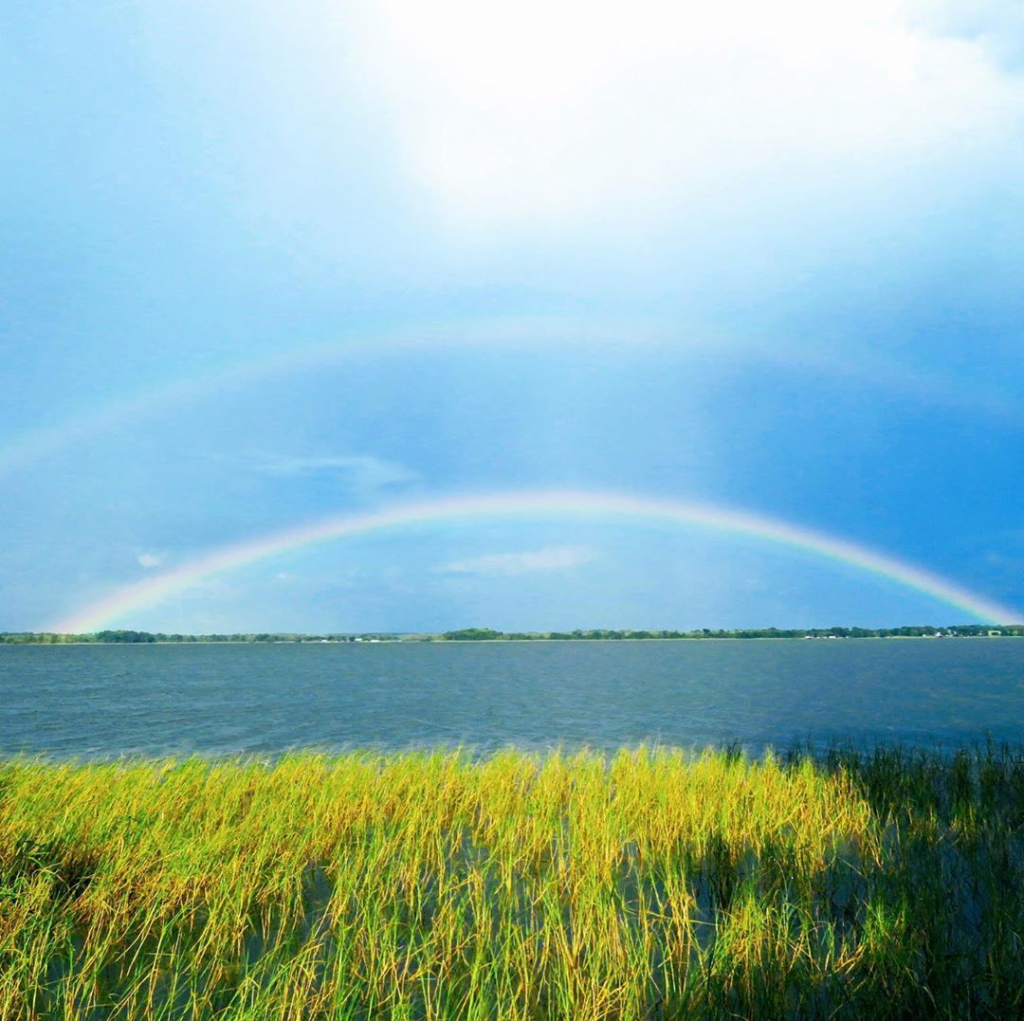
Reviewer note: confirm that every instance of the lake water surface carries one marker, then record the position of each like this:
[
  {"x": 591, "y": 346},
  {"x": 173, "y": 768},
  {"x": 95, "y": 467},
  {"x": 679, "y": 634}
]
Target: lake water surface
[{"x": 106, "y": 701}]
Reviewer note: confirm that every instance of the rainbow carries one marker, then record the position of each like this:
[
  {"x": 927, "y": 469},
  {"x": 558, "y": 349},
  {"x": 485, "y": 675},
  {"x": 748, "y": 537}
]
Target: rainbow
[
  {"x": 551, "y": 503},
  {"x": 25, "y": 450}
]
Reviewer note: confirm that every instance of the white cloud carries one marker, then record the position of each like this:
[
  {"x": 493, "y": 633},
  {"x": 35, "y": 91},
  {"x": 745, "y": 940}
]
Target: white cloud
[
  {"x": 998, "y": 25},
  {"x": 550, "y": 558},
  {"x": 362, "y": 474},
  {"x": 149, "y": 560},
  {"x": 564, "y": 109}
]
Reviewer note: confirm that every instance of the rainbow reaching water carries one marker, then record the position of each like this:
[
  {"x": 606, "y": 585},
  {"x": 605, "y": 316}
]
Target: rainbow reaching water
[{"x": 124, "y": 601}]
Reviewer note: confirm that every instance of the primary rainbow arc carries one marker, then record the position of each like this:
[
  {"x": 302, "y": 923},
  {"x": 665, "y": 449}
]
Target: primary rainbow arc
[{"x": 571, "y": 503}]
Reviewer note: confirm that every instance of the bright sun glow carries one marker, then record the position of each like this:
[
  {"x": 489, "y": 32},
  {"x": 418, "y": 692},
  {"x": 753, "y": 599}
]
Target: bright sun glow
[{"x": 562, "y": 109}]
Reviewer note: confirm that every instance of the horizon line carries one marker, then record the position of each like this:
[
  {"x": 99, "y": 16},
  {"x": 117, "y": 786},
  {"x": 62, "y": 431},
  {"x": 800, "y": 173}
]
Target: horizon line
[{"x": 586, "y": 632}]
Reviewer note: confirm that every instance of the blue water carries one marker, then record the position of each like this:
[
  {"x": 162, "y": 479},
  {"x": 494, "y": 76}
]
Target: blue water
[{"x": 107, "y": 701}]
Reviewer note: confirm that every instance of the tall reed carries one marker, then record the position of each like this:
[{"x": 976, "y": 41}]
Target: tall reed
[{"x": 653, "y": 884}]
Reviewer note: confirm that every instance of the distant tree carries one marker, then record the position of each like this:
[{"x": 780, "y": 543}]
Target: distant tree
[
  {"x": 130, "y": 637},
  {"x": 471, "y": 634}
]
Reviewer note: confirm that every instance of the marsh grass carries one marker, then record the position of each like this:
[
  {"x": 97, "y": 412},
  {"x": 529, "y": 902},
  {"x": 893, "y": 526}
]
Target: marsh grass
[{"x": 654, "y": 884}]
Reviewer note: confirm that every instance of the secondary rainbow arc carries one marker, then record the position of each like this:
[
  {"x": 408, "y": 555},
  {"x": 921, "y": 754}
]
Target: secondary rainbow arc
[
  {"x": 34, "y": 445},
  {"x": 577, "y": 504}
]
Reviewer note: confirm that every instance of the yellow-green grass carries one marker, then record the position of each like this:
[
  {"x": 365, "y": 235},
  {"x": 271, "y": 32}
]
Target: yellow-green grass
[{"x": 653, "y": 884}]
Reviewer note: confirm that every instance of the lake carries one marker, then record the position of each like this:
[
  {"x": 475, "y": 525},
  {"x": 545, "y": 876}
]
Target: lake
[{"x": 106, "y": 701}]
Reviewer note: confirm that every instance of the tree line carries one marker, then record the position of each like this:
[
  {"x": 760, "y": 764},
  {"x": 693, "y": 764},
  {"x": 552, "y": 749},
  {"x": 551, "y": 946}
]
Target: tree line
[
  {"x": 122, "y": 637},
  {"x": 480, "y": 634},
  {"x": 600, "y": 634}
]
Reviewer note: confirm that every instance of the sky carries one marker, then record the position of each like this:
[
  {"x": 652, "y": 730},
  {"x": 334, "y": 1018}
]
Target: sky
[{"x": 268, "y": 264}]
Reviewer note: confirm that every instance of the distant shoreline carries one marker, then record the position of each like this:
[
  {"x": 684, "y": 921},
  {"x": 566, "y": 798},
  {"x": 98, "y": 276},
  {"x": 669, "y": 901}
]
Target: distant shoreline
[{"x": 19, "y": 640}]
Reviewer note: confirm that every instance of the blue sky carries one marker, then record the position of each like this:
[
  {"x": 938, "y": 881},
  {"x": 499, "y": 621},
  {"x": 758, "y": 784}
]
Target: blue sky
[{"x": 267, "y": 263}]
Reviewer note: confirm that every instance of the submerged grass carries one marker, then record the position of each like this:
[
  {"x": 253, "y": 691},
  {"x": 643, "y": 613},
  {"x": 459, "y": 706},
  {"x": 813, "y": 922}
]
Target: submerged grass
[{"x": 654, "y": 884}]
